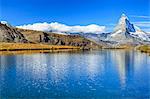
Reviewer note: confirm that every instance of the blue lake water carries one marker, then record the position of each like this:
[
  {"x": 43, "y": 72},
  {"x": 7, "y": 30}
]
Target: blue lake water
[{"x": 82, "y": 75}]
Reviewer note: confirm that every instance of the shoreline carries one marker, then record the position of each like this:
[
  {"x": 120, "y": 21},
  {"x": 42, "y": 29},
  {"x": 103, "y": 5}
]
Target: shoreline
[
  {"x": 30, "y": 48},
  {"x": 144, "y": 49},
  {"x": 36, "y": 51},
  {"x": 15, "y": 48}
]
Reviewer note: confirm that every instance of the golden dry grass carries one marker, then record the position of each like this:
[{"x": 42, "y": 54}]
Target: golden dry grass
[
  {"x": 28, "y": 47},
  {"x": 37, "y": 51},
  {"x": 144, "y": 48},
  {"x": 33, "y": 46}
]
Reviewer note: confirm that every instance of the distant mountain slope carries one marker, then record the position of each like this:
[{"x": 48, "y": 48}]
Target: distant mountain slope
[
  {"x": 10, "y": 34},
  {"x": 58, "y": 39}
]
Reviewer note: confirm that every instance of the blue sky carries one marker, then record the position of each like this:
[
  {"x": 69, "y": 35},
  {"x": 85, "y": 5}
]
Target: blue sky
[{"x": 75, "y": 12}]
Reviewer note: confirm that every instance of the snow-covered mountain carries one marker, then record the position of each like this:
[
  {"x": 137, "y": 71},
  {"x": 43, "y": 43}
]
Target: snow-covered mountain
[{"x": 124, "y": 33}]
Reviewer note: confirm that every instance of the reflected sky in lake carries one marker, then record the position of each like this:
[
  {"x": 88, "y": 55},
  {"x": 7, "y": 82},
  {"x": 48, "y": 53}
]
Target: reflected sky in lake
[{"x": 96, "y": 74}]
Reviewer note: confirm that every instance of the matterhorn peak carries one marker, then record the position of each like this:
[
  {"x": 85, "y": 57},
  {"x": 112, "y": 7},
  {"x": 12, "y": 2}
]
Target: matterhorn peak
[
  {"x": 124, "y": 16},
  {"x": 126, "y": 31},
  {"x": 124, "y": 25}
]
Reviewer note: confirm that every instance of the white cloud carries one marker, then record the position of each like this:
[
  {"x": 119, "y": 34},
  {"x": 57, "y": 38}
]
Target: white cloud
[{"x": 58, "y": 27}]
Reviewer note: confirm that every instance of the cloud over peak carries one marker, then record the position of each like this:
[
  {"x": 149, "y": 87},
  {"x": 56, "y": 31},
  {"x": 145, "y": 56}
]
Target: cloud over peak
[{"x": 62, "y": 28}]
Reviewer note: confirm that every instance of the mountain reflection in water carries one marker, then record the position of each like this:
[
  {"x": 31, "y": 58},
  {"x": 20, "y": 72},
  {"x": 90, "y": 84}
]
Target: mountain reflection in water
[{"x": 97, "y": 74}]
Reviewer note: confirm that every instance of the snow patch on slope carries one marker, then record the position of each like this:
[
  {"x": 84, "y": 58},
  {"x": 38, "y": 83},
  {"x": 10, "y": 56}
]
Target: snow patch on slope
[{"x": 5, "y": 23}]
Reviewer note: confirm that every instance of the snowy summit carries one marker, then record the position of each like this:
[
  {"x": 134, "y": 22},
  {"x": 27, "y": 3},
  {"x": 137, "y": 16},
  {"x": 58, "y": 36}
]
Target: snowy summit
[{"x": 125, "y": 31}]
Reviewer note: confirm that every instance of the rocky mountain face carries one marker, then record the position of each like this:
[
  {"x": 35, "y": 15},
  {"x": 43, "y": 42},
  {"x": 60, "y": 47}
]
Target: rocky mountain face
[{"x": 10, "y": 34}]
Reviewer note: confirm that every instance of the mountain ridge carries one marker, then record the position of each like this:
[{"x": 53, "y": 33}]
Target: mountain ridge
[
  {"x": 125, "y": 33},
  {"x": 10, "y": 34}
]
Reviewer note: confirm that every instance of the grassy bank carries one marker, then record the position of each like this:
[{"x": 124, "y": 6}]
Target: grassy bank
[
  {"x": 27, "y": 47},
  {"x": 144, "y": 48}
]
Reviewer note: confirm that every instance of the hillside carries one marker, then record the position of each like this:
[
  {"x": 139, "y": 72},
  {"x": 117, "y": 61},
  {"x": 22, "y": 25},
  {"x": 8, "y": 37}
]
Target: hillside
[
  {"x": 10, "y": 34},
  {"x": 21, "y": 48},
  {"x": 57, "y": 39},
  {"x": 144, "y": 48}
]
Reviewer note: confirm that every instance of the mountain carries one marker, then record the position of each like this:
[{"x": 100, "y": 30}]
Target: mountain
[
  {"x": 10, "y": 34},
  {"x": 125, "y": 32},
  {"x": 50, "y": 38}
]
